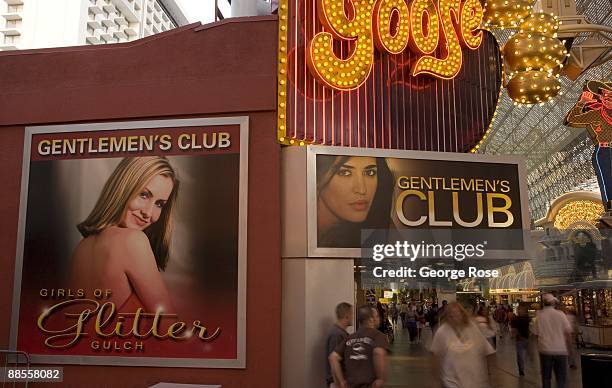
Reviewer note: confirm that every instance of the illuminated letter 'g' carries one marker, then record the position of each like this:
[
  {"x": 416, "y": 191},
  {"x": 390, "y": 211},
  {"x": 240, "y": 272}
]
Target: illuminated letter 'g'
[
  {"x": 350, "y": 73},
  {"x": 389, "y": 13},
  {"x": 449, "y": 65}
]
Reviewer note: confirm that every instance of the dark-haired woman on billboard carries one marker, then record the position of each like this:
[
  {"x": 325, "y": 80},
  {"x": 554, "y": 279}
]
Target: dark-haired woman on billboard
[
  {"x": 353, "y": 193},
  {"x": 126, "y": 236}
]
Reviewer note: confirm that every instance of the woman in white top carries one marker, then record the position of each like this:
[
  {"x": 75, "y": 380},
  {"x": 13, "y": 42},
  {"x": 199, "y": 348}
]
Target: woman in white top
[
  {"x": 460, "y": 351},
  {"x": 484, "y": 323}
]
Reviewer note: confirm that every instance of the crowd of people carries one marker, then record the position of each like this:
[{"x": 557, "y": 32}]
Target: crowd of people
[{"x": 463, "y": 343}]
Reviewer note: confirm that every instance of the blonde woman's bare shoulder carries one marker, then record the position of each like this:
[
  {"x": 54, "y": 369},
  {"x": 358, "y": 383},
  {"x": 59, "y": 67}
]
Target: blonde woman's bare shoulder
[{"x": 124, "y": 240}]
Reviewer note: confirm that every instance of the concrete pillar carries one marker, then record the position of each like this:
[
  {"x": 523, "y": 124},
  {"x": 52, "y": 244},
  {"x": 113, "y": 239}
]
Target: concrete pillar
[
  {"x": 311, "y": 286},
  {"x": 311, "y": 290}
]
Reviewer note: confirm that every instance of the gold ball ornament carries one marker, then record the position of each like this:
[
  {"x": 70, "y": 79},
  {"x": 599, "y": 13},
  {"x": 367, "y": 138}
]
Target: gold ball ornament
[
  {"x": 544, "y": 23},
  {"x": 506, "y": 13},
  {"x": 533, "y": 87},
  {"x": 533, "y": 51}
]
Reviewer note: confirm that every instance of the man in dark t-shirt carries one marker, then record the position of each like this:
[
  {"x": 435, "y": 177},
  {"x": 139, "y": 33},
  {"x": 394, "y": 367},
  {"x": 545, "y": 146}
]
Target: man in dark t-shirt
[
  {"x": 337, "y": 334},
  {"x": 364, "y": 354},
  {"x": 520, "y": 332}
]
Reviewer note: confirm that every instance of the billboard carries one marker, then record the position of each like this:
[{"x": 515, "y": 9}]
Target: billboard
[
  {"x": 438, "y": 203},
  {"x": 132, "y": 244}
]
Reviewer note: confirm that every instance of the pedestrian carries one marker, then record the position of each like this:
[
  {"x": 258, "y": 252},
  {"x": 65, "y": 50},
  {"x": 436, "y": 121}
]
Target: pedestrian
[
  {"x": 411, "y": 322},
  {"x": 509, "y": 317},
  {"x": 381, "y": 314},
  {"x": 520, "y": 333},
  {"x": 433, "y": 318},
  {"x": 571, "y": 317},
  {"x": 337, "y": 334},
  {"x": 483, "y": 321},
  {"x": 403, "y": 311},
  {"x": 554, "y": 340},
  {"x": 500, "y": 316},
  {"x": 460, "y": 351},
  {"x": 442, "y": 309},
  {"x": 364, "y": 354},
  {"x": 420, "y": 321},
  {"x": 394, "y": 313}
]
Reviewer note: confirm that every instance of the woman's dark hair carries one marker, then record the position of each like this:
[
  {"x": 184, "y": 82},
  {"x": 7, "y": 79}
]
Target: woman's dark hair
[{"x": 348, "y": 234}]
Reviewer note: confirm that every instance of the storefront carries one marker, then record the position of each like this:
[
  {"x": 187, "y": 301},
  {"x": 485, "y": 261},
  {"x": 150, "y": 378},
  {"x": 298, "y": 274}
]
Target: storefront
[
  {"x": 515, "y": 285},
  {"x": 572, "y": 265},
  {"x": 301, "y": 168},
  {"x": 594, "y": 311}
]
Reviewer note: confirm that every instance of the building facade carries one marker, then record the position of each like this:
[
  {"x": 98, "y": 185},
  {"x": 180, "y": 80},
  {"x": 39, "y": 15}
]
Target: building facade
[{"x": 30, "y": 24}]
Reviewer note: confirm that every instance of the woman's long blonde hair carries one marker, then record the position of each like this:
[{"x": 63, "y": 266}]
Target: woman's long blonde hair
[{"x": 128, "y": 179}]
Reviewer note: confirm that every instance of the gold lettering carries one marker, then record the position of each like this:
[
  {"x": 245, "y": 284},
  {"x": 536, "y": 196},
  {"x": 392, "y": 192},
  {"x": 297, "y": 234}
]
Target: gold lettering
[
  {"x": 175, "y": 329},
  {"x": 72, "y": 333},
  {"x": 183, "y": 141},
  {"x": 224, "y": 140},
  {"x": 399, "y": 208},
  {"x": 43, "y": 147},
  {"x": 202, "y": 331},
  {"x": 491, "y": 210},
  {"x": 389, "y": 36},
  {"x": 431, "y": 203},
  {"x": 471, "y": 17},
  {"x": 457, "y": 216},
  {"x": 338, "y": 73}
]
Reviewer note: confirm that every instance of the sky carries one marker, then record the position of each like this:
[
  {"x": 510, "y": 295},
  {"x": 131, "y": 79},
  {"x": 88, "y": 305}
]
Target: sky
[{"x": 198, "y": 10}]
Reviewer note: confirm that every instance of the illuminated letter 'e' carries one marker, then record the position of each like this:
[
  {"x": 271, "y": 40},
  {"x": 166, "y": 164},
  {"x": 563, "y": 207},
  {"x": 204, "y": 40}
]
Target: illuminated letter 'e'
[{"x": 471, "y": 17}]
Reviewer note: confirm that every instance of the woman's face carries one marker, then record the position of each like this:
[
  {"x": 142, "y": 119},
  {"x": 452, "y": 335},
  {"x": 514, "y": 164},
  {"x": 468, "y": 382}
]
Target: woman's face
[
  {"x": 454, "y": 316},
  {"x": 350, "y": 192},
  {"x": 146, "y": 206}
]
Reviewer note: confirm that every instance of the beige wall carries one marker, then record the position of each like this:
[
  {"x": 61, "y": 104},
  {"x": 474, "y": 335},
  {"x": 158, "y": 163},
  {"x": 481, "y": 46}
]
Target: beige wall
[{"x": 311, "y": 290}]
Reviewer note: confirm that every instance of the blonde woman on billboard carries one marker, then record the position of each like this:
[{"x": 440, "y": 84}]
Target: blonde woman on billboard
[
  {"x": 126, "y": 236},
  {"x": 353, "y": 193}
]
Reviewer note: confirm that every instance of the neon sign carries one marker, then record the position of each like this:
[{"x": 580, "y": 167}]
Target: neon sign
[{"x": 391, "y": 26}]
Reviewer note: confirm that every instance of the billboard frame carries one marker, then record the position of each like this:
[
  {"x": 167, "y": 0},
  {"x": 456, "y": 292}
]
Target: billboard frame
[
  {"x": 237, "y": 363},
  {"x": 311, "y": 195}
]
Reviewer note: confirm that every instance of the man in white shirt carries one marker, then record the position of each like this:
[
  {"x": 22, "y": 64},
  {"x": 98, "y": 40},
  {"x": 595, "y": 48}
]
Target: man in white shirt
[{"x": 554, "y": 339}]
